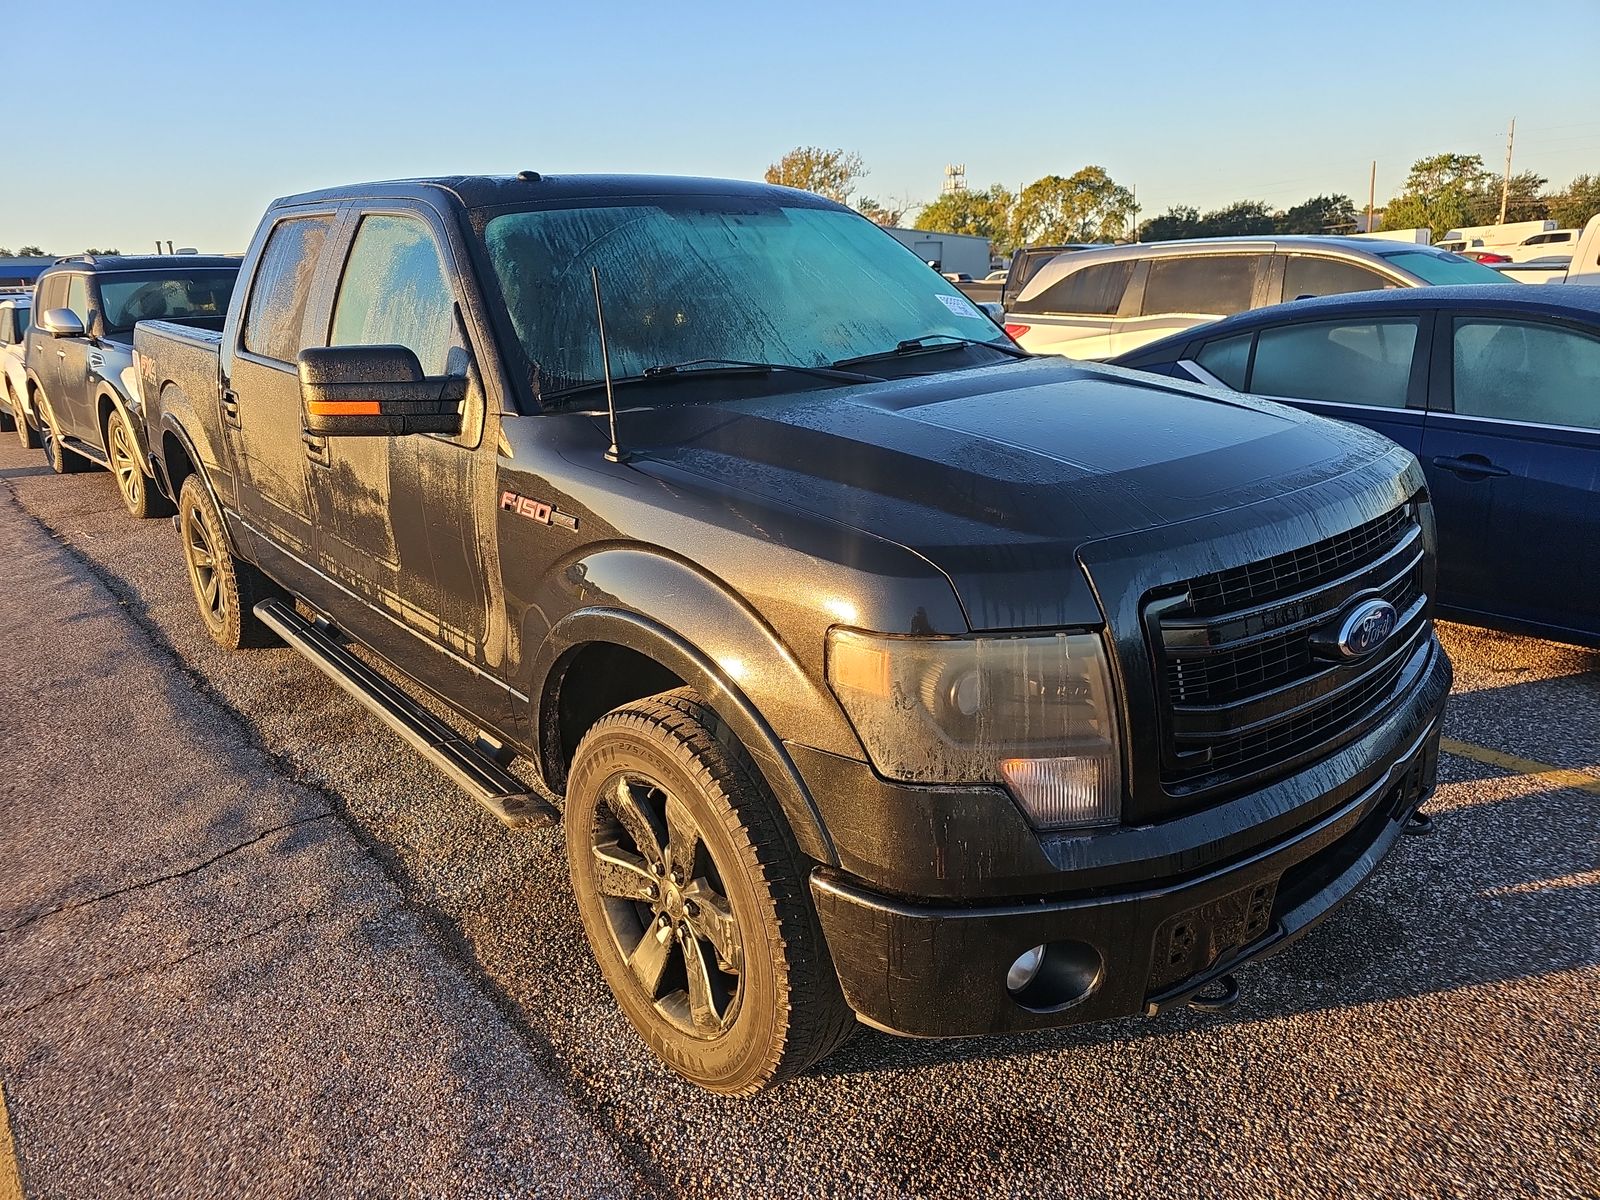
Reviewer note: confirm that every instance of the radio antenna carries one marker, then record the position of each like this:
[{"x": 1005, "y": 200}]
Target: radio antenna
[{"x": 613, "y": 454}]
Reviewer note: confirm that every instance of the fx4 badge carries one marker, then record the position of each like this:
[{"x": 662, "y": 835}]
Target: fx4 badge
[{"x": 537, "y": 510}]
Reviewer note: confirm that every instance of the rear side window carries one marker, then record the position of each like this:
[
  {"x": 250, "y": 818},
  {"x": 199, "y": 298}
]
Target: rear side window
[
  {"x": 1306, "y": 275},
  {"x": 394, "y": 293},
  {"x": 1344, "y": 362},
  {"x": 282, "y": 287},
  {"x": 1517, "y": 371},
  {"x": 1215, "y": 285},
  {"x": 1094, "y": 291},
  {"x": 1228, "y": 359}
]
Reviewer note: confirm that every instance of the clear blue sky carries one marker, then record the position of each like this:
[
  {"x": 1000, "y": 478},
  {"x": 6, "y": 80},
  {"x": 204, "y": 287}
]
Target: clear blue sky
[{"x": 186, "y": 119}]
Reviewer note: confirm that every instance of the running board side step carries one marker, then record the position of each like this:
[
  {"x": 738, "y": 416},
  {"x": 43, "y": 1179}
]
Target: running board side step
[{"x": 470, "y": 764}]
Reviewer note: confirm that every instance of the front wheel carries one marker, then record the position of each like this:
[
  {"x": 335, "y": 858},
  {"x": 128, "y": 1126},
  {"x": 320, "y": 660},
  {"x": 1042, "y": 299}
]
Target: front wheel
[
  {"x": 695, "y": 899},
  {"x": 138, "y": 497},
  {"x": 225, "y": 589},
  {"x": 62, "y": 461}
]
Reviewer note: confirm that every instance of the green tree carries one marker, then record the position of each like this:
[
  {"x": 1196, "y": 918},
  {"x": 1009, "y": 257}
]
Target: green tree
[
  {"x": 1525, "y": 199},
  {"x": 1179, "y": 221},
  {"x": 1087, "y": 206},
  {"x": 31, "y": 252},
  {"x": 1579, "y": 204},
  {"x": 1442, "y": 192},
  {"x": 1242, "y": 218},
  {"x": 889, "y": 211},
  {"x": 1320, "y": 214},
  {"x": 981, "y": 214},
  {"x": 91, "y": 250},
  {"x": 830, "y": 173}
]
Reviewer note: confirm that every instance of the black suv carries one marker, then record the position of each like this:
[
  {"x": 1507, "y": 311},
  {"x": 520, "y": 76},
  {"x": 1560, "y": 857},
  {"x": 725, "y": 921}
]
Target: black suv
[
  {"x": 882, "y": 673},
  {"x": 82, "y": 387}
]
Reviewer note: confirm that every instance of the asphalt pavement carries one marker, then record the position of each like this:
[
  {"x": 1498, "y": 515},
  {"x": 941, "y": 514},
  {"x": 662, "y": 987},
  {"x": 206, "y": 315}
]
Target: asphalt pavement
[{"x": 250, "y": 946}]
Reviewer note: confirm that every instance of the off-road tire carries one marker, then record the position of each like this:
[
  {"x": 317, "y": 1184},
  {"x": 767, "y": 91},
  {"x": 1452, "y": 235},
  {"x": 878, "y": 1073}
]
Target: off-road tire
[
  {"x": 226, "y": 590},
  {"x": 138, "y": 492},
  {"x": 788, "y": 1012}
]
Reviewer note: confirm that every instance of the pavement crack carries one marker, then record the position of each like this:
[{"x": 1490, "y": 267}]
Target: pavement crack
[
  {"x": 160, "y": 879},
  {"x": 152, "y": 967}
]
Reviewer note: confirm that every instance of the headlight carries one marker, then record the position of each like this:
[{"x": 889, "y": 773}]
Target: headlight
[
  {"x": 130, "y": 384},
  {"x": 1033, "y": 713}
]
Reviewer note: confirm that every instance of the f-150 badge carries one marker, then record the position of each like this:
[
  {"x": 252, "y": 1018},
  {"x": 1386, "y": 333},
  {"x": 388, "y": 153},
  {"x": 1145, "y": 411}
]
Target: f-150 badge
[{"x": 537, "y": 510}]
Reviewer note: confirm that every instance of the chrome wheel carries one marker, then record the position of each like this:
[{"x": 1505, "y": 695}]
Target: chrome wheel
[
  {"x": 204, "y": 575},
  {"x": 665, "y": 905}
]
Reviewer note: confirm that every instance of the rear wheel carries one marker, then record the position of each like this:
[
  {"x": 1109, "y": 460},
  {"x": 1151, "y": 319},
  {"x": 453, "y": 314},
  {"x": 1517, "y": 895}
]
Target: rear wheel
[
  {"x": 62, "y": 461},
  {"x": 25, "y": 433},
  {"x": 226, "y": 590},
  {"x": 138, "y": 496},
  {"x": 695, "y": 898}
]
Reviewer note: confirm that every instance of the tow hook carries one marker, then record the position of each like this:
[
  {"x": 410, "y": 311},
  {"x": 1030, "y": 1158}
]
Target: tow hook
[
  {"x": 1218, "y": 996},
  {"x": 1419, "y": 824}
]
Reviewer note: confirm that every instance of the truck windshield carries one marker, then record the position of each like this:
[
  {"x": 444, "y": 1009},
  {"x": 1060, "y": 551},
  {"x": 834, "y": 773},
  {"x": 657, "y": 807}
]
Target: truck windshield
[
  {"x": 1445, "y": 268},
  {"x": 131, "y": 296},
  {"x": 746, "y": 281}
]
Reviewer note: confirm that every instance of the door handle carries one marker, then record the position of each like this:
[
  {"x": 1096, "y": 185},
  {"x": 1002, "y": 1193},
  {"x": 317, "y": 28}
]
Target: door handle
[
  {"x": 1471, "y": 466},
  {"x": 230, "y": 407},
  {"x": 316, "y": 449}
]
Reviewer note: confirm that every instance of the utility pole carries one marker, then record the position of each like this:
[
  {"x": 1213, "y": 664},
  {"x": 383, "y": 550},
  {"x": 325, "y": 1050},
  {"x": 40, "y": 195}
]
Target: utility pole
[
  {"x": 1372, "y": 194},
  {"x": 1505, "y": 186}
]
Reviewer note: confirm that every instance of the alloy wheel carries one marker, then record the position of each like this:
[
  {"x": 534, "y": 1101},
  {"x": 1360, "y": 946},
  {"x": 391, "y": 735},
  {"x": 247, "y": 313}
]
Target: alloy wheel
[
  {"x": 130, "y": 479},
  {"x": 665, "y": 905},
  {"x": 201, "y": 556}
]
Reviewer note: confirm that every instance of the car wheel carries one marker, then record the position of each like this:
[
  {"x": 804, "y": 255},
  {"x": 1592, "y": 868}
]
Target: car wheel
[
  {"x": 62, "y": 461},
  {"x": 695, "y": 900},
  {"x": 25, "y": 433},
  {"x": 138, "y": 496},
  {"x": 225, "y": 589}
]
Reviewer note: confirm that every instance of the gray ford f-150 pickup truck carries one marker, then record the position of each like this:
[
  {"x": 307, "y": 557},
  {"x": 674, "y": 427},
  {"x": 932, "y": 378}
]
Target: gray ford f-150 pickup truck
[{"x": 882, "y": 673}]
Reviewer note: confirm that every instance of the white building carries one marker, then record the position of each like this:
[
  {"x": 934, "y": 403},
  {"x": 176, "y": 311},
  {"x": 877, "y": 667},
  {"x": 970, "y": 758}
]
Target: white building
[{"x": 953, "y": 252}]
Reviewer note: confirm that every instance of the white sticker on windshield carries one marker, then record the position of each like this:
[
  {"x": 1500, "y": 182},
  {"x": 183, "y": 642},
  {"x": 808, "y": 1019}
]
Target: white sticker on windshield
[{"x": 961, "y": 308}]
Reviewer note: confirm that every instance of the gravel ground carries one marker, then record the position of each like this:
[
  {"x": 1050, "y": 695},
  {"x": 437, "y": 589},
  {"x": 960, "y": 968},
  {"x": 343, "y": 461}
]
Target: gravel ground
[{"x": 375, "y": 988}]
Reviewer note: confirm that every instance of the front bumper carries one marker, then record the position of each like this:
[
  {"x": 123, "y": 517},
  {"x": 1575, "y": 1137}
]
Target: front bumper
[{"x": 939, "y": 969}]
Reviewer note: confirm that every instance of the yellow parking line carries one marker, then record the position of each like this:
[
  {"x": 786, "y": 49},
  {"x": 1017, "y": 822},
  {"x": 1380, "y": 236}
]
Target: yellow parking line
[
  {"x": 10, "y": 1174},
  {"x": 1558, "y": 777}
]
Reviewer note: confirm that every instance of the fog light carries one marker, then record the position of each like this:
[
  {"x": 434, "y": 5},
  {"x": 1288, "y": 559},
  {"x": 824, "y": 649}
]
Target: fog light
[
  {"x": 1024, "y": 970},
  {"x": 1078, "y": 791}
]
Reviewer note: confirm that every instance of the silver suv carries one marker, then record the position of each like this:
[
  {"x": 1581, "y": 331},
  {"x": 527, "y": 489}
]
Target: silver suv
[{"x": 1102, "y": 303}]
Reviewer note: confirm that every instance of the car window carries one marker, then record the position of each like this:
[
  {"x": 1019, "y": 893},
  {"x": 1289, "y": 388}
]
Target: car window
[
  {"x": 395, "y": 293},
  {"x": 1344, "y": 362},
  {"x": 1311, "y": 275},
  {"x": 1094, "y": 290},
  {"x": 128, "y": 297},
  {"x": 78, "y": 297},
  {"x": 7, "y": 325},
  {"x": 1216, "y": 285},
  {"x": 1228, "y": 359},
  {"x": 282, "y": 286},
  {"x": 1443, "y": 268},
  {"x": 52, "y": 291},
  {"x": 1522, "y": 371}
]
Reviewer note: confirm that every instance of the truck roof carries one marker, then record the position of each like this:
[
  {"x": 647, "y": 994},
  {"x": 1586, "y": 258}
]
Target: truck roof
[{"x": 488, "y": 191}]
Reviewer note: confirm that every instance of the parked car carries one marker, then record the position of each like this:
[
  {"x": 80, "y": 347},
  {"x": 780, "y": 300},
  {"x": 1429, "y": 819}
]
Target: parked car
[
  {"x": 1497, "y": 392},
  {"x": 996, "y": 276},
  {"x": 886, "y": 673},
  {"x": 1582, "y": 266},
  {"x": 14, "y": 314},
  {"x": 1551, "y": 243},
  {"x": 1098, "y": 304},
  {"x": 1026, "y": 261},
  {"x": 82, "y": 390}
]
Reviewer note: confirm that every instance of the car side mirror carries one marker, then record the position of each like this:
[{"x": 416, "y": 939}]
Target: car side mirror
[
  {"x": 376, "y": 391},
  {"x": 994, "y": 312},
  {"x": 61, "y": 322}
]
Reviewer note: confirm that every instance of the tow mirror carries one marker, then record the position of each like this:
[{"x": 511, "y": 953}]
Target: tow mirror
[
  {"x": 61, "y": 322},
  {"x": 376, "y": 391}
]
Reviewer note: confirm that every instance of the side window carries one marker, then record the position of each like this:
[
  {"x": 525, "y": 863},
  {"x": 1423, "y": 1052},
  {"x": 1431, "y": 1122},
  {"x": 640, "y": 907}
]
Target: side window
[
  {"x": 1345, "y": 362},
  {"x": 1519, "y": 371},
  {"x": 282, "y": 286},
  {"x": 78, "y": 297},
  {"x": 1092, "y": 291},
  {"x": 8, "y": 323},
  {"x": 52, "y": 292},
  {"x": 1216, "y": 285},
  {"x": 394, "y": 292},
  {"x": 1307, "y": 275},
  {"x": 1228, "y": 359}
]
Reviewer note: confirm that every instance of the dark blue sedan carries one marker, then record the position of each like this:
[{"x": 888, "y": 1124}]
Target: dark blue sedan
[{"x": 1496, "y": 391}]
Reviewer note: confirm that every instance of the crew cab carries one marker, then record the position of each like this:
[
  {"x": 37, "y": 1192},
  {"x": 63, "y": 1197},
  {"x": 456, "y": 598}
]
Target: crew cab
[
  {"x": 878, "y": 671},
  {"x": 82, "y": 392}
]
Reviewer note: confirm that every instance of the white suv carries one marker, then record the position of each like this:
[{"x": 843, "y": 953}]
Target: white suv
[{"x": 15, "y": 309}]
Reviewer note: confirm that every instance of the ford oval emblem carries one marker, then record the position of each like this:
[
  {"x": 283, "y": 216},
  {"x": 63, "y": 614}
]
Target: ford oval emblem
[{"x": 1366, "y": 627}]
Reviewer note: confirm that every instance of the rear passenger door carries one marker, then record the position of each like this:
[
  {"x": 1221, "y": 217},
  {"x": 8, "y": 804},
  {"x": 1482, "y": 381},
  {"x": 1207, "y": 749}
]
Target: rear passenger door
[
  {"x": 1179, "y": 291},
  {"x": 1512, "y": 452}
]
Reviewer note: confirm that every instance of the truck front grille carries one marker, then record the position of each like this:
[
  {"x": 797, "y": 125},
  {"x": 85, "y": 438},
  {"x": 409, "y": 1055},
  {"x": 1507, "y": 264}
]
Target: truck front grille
[{"x": 1244, "y": 697}]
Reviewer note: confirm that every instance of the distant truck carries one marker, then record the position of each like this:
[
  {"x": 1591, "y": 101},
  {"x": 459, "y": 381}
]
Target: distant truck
[
  {"x": 1492, "y": 237},
  {"x": 1583, "y": 266},
  {"x": 884, "y": 673}
]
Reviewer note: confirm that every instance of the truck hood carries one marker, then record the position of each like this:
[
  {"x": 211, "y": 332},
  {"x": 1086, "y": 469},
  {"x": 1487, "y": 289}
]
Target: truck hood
[{"x": 999, "y": 476}]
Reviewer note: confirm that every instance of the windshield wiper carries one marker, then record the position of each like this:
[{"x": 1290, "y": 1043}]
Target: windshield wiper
[
  {"x": 932, "y": 343},
  {"x": 714, "y": 366}
]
